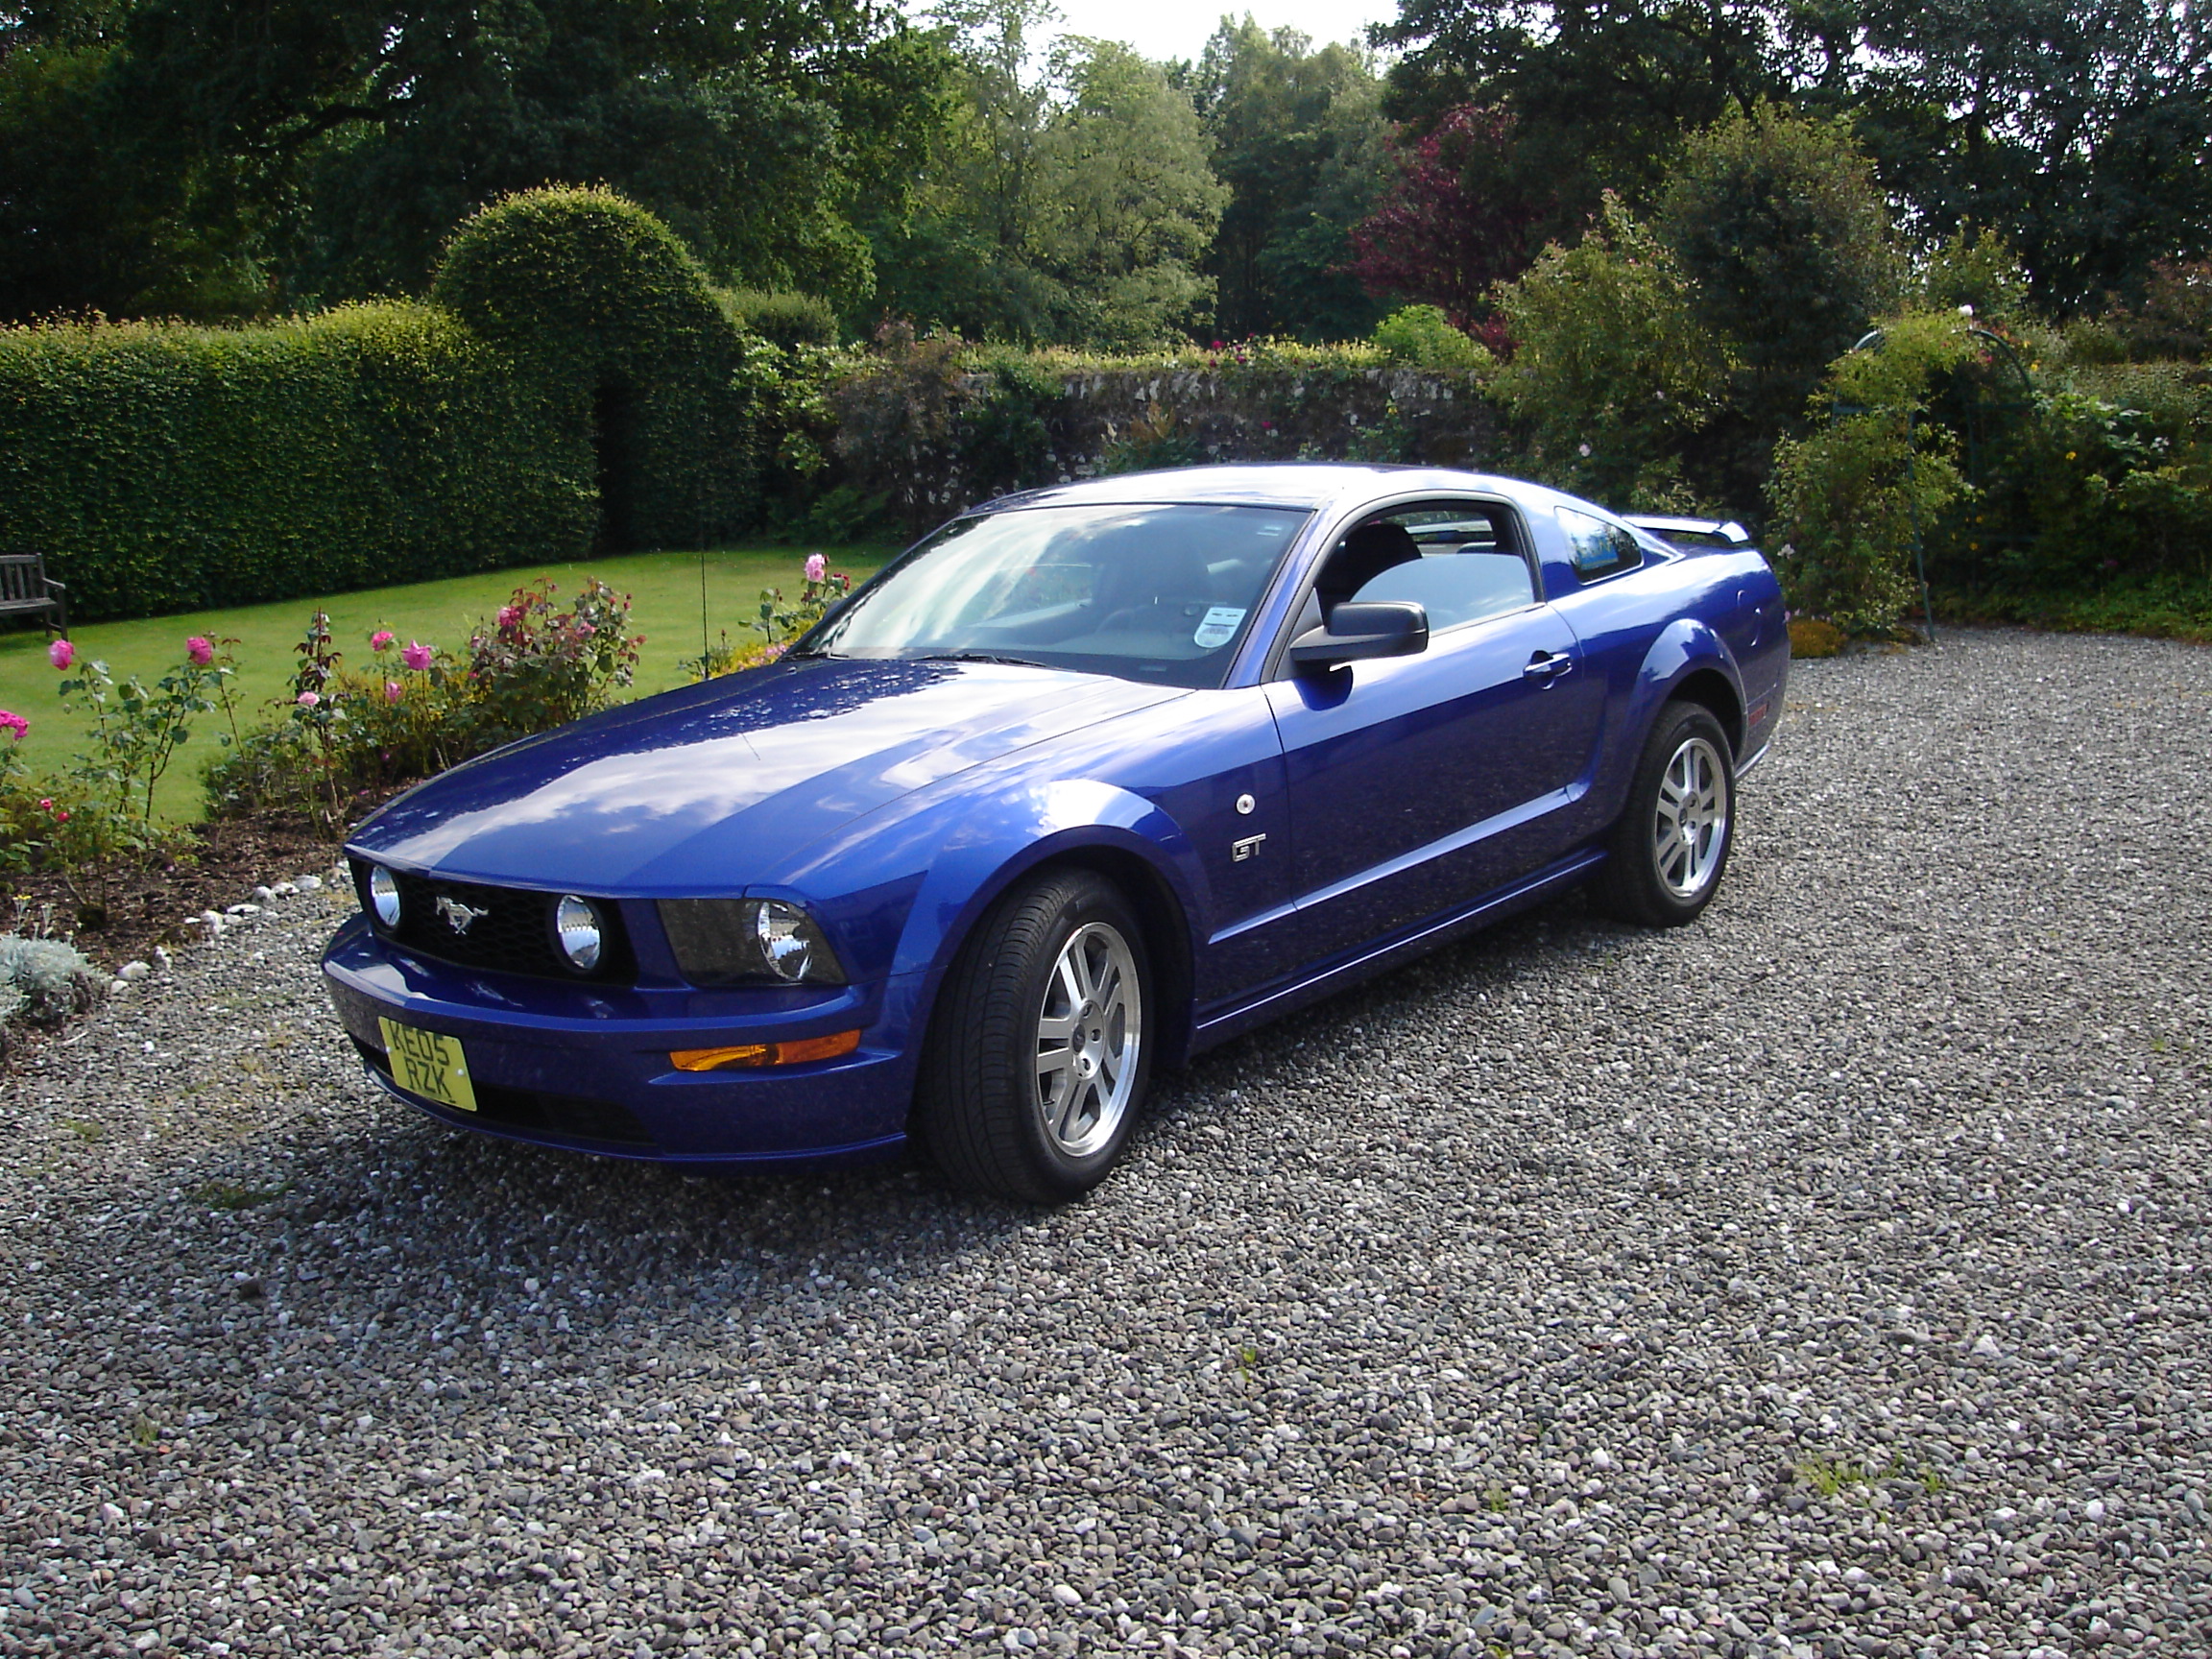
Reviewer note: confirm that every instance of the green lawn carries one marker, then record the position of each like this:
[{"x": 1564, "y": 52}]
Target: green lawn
[{"x": 665, "y": 588}]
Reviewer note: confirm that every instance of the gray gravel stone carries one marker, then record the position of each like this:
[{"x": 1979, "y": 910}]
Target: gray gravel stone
[{"x": 1826, "y": 1277}]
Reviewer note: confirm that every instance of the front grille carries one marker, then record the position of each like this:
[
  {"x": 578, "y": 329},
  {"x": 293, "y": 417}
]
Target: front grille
[
  {"x": 513, "y": 935},
  {"x": 533, "y": 1109}
]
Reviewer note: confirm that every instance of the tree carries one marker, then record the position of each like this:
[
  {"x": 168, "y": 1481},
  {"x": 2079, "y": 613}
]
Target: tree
[
  {"x": 1612, "y": 370},
  {"x": 1126, "y": 203},
  {"x": 1784, "y": 238},
  {"x": 1442, "y": 234},
  {"x": 1071, "y": 204},
  {"x": 2073, "y": 129},
  {"x": 1299, "y": 139},
  {"x": 341, "y": 142},
  {"x": 1591, "y": 95},
  {"x": 2076, "y": 131}
]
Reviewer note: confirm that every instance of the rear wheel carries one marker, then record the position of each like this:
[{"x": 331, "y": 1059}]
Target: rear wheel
[
  {"x": 1670, "y": 845},
  {"x": 1037, "y": 1062}
]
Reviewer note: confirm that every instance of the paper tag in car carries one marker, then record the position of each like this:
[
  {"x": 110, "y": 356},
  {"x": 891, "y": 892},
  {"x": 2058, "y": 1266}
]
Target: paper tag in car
[{"x": 1219, "y": 626}]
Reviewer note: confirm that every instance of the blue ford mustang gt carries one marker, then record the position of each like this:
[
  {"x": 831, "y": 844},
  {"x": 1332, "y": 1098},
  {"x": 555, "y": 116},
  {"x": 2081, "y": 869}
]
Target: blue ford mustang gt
[{"x": 1090, "y": 780}]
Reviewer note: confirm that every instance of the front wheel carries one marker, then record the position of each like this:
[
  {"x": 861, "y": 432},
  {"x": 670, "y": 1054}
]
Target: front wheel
[
  {"x": 1669, "y": 850},
  {"x": 1037, "y": 1062}
]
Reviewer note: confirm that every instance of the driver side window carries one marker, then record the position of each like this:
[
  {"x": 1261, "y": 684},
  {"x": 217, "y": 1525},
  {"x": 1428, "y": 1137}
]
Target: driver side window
[{"x": 1460, "y": 561}]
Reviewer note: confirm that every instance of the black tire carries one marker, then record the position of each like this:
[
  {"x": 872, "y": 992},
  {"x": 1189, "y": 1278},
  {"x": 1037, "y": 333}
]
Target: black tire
[
  {"x": 1670, "y": 847},
  {"x": 993, "y": 1115}
]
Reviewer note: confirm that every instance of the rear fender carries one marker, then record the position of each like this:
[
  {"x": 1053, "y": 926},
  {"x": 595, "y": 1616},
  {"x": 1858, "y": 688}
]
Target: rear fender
[{"x": 1689, "y": 658}]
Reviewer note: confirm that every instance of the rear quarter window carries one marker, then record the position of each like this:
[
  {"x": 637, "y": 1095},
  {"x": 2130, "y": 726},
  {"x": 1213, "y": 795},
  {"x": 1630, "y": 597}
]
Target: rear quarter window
[{"x": 1596, "y": 548}]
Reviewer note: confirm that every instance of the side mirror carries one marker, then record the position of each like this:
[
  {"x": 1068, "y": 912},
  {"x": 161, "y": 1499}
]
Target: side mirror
[{"x": 1358, "y": 633}]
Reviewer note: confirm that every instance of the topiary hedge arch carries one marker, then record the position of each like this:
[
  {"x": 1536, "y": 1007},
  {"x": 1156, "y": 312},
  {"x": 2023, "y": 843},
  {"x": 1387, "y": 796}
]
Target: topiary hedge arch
[{"x": 601, "y": 302}]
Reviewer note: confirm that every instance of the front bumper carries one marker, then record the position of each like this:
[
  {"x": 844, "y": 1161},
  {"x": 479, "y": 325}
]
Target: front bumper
[{"x": 588, "y": 1067}]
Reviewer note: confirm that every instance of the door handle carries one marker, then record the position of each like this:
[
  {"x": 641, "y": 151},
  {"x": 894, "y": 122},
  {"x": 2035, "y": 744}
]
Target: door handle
[{"x": 1548, "y": 665}]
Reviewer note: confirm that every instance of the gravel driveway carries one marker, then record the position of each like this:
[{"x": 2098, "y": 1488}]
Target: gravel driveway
[{"x": 1828, "y": 1278}]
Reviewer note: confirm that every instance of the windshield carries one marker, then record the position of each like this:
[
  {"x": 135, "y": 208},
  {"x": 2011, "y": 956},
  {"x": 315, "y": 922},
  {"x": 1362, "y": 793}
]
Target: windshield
[{"x": 1158, "y": 593}]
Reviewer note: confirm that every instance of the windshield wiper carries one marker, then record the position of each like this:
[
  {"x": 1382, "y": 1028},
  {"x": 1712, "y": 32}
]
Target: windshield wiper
[{"x": 979, "y": 656}]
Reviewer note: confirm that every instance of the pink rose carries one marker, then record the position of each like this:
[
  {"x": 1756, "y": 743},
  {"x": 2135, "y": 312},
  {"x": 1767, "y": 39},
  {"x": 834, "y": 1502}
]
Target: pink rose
[
  {"x": 60, "y": 652},
  {"x": 509, "y": 615},
  {"x": 817, "y": 567},
  {"x": 60, "y": 817},
  {"x": 584, "y": 630},
  {"x": 416, "y": 654},
  {"x": 392, "y": 692},
  {"x": 15, "y": 723},
  {"x": 309, "y": 698},
  {"x": 200, "y": 650},
  {"x": 45, "y": 802},
  {"x": 381, "y": 640}
]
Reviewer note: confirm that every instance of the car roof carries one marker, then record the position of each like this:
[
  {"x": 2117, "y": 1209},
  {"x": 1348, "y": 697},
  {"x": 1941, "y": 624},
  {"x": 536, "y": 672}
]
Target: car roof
[{"x": 1307, "y": 483}]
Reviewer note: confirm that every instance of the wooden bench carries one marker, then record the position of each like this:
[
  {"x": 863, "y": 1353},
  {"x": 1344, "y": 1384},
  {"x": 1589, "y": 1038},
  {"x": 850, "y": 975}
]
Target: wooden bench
[{"x": 27, "y": 590}]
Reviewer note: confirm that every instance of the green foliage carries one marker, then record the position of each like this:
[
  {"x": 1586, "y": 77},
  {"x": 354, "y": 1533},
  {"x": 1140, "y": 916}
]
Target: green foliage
[
  {"x": 2173, "y": 320},
  {"x": 1153, "y": 441},
  {"x": 176, "y": 151},
  {"x": 1612, "y": 369},
  {"x": 617, "y": 319},
  {"x": 2092, "y": 491},
  {"x": 137, "y": 729},
  {"x": 1072, "y": 206},
  {"x": 416, "y": 709},
  {"x": 1977, "y": 271},
  {"x": 1299, "y": 139},
  {"x": 782, "y": 320},
  {"x": 161, "y": 468},
  {"x": 1784, "y": 237},
  {"x": 1423, "y": 337},
  {"x": 536, "y": 665},
  {"x": 1853, "y": 500}
]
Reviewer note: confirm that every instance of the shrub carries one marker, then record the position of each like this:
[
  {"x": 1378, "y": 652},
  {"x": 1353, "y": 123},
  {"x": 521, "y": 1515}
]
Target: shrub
[
  {"x": 537, "y": 667},
  {"x": 644, "y": 369},
  {"x": 1423, "y": 337},
  {"x": 414, "y": 709},
  {"x": 44, "y": 981},
  {"x": 782, "y": 320},
  {"x": 1611, "y": 369},
  {"x": 161, "y": 468}
]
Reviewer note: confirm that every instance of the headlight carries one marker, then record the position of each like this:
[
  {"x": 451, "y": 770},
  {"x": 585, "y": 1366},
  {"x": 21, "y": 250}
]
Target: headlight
[
  {"x": 728, "y": 941},
  {"x": 577, "y": 928},
  {"x": 384, "y": 896}
]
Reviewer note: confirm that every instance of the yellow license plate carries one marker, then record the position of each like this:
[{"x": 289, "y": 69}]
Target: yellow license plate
[{"x": 423, "y": 1063}]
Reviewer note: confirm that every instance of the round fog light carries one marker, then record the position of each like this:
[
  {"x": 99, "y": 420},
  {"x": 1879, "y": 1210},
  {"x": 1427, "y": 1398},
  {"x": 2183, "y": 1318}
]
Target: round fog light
[
  {"x": 384, "y": 896},
  {"x": 576, "y": 924}
]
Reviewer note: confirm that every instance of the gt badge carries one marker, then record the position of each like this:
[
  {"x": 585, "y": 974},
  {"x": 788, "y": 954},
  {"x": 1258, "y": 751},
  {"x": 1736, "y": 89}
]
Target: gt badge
[{"x": 1239, "y": 850}]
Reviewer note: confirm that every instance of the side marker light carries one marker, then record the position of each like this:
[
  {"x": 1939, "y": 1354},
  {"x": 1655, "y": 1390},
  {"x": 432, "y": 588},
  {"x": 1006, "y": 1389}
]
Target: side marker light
[{"x": 752, "y": 1054}]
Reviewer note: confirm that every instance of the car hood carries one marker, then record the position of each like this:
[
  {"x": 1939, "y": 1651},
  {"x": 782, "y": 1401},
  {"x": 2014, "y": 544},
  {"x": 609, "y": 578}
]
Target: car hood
[{"x": 706, "y": 789}]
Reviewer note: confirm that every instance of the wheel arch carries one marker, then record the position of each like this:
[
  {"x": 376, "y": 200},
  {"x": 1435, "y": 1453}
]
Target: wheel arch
[{"x": 1716, "y": 694}]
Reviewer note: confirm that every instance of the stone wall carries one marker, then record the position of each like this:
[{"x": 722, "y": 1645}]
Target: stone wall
[{"x": 935, "y": 439}]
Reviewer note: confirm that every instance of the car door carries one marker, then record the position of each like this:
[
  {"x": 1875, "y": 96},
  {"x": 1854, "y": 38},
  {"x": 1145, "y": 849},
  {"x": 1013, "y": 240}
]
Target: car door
[{"x": 1417, "y": 783}]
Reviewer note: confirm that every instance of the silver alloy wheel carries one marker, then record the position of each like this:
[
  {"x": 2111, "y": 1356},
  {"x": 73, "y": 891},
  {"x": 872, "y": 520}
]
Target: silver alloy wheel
[
  {"x": 1690, "y": 830},
  {"x": 1089, "y": 1030}
]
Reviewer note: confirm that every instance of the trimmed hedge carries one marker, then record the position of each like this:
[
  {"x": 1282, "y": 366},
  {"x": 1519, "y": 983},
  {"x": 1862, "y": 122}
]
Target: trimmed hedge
[
  {"x": 580, "y": 385},
  {"x": 164, "y": 468},
  {"x": 615, "y": 318}
]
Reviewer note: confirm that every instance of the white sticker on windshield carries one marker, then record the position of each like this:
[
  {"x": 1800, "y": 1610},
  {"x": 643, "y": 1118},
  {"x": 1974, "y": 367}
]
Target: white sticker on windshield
[{"x": 1219, "y": 626}]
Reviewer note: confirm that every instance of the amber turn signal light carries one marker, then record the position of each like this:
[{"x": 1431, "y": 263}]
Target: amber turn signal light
[{"x": 751, "y": 1054}]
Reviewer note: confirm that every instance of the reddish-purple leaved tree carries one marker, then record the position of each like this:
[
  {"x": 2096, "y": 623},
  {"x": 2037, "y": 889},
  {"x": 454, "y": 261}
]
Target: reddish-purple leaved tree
[{"x": 1442, "y": 238}]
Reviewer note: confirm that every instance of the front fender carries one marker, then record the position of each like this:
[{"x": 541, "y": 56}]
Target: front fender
[{"x": 1026, "y": 827}]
